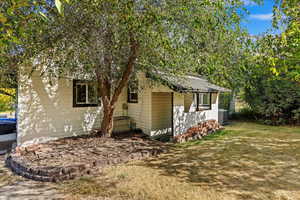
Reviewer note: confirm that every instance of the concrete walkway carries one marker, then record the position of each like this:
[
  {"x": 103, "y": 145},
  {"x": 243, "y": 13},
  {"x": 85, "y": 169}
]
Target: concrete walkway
[{"x": 16, "y": 188}]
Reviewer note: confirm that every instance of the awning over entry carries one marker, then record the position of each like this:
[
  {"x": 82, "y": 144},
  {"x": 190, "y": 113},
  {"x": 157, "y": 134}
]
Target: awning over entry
[{"x": 191, "y": 83}]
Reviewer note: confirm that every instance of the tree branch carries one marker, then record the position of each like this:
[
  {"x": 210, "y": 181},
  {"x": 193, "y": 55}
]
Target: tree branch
[
  {"x": 7, "y": 94},
  {"x": 128, "y": 70}
]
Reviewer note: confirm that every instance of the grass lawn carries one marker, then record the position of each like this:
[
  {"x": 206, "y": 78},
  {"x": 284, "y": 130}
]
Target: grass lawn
[
  {"x": 6, "y": 176},
  {"x": 246, "y": 161}
]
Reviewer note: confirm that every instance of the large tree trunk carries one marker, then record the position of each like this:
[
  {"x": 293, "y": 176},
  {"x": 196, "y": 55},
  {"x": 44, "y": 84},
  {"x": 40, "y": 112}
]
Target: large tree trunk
[
  {"x": 109, "y": 99},
  {"x": 107, "y": 121}
]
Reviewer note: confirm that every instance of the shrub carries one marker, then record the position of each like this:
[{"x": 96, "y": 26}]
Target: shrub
[
  {"x": 224, "y": 100},
  {"x": 6, "y": 102},
  {"x": 245, "y": 113},
  {"x": 276, "y": 101}
]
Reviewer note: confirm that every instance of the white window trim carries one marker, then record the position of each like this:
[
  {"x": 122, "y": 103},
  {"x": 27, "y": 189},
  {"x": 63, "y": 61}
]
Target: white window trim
[
  {"x": 86, "y": 93},
  {"x": 86, "y": 103},
  {"x": 133, "y": 92}
]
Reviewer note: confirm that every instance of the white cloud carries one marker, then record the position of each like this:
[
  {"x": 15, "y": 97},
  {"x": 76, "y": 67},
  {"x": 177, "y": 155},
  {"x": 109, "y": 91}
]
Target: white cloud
[
  {"x": 249, "y": 3},
  {"x": 262, "y": 16}
]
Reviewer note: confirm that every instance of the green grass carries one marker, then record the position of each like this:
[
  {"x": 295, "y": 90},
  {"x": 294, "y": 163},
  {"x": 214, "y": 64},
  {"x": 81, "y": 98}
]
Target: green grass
[{"x": 245, "y": 161}]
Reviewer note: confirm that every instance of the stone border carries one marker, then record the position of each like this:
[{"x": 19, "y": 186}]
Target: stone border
[
  {"x": 56, "y": 174},
  {"x": 199, "y": 131}
]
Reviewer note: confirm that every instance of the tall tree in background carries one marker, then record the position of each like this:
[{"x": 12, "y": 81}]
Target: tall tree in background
[
  {"x": 227, "y": 61},
  {"x": 283, "y": 52},
  {"x": 272, "y": 79}
]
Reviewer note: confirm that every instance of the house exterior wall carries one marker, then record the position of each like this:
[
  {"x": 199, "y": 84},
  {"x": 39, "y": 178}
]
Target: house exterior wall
[
  {"x": 161, "y": 115},
  {"x": 183, "y": 120},
  {"x": 140, "y": 112},
  {"x": 45, "y": 111}
]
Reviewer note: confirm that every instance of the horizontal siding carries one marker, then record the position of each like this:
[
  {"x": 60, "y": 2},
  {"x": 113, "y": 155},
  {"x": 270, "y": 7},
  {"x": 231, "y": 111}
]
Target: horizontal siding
[
  {"x": 188, "y": 102},
  {"x": 141, "y": 112},
  {"x": 46, "y": 111},
  {"x": 161, "y": 110}
]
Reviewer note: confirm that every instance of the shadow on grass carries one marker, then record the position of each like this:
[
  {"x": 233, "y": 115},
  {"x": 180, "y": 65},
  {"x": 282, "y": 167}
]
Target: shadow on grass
[{"x": 250, "y": 160}]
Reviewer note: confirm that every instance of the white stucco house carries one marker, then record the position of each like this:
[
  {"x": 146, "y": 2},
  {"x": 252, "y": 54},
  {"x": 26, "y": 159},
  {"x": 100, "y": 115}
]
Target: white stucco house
[{"x": 67, "y": 107}]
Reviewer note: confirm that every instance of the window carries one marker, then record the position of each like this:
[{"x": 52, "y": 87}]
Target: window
[
  {"x": 203, "y": 101},
  {"x": 133, "y": 92},
  {"x": 85, "y": 94}
]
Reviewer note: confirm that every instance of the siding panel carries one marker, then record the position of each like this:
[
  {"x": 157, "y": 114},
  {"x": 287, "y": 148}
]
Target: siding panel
[
  {"x": 45, "y": 111},
  {"x": 161, "y": 111}
]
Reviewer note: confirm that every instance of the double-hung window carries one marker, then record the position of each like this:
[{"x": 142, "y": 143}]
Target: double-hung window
[
  {"x": 203, "y": 101},
  {"x": 133, "y": 92},
  {"x": 85, "y": 94}
]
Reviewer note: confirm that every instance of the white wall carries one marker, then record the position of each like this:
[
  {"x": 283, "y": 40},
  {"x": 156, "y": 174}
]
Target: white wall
[
  {"x": 140, "y": 112},
  {"x": 185, "y": 120},
  {"x": 45, "y": 111},
  {"x": 161, "y": 113}
]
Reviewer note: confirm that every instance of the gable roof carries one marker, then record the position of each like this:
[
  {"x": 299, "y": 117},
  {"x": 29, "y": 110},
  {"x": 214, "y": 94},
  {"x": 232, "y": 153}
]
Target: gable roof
[{"x": 191, "y": 83}]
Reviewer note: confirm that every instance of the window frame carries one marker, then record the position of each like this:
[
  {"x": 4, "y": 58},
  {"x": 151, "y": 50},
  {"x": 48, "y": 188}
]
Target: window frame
[
  {"x": 129, "y": 100},
  {"x": 86, "y": 83},
  {"x": 198, "y": 101}
]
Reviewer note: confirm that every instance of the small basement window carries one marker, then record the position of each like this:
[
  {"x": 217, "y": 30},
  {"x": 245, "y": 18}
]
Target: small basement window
[
  {"x": 204, "y": 101},
  {"x": 133, "y": 92},
  {"x": 85, "y": 94}
]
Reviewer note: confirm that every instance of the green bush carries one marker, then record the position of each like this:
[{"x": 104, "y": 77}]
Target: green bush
[
  {"x": 224, "y": 100},
  {"x": 245, "y": 113},
  {"x": 275, "y": 101},
  {"x": 6, "y": 102}
]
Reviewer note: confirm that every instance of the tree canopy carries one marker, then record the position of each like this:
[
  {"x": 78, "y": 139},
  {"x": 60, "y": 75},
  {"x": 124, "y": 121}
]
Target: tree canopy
[
  {"x": 271, "y": 79},
  {"x": 113, "y": 39}
]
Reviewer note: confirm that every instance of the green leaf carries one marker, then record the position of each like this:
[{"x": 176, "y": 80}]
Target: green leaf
[
  {"x": 58, "y": 5},
  {"x": 44, "y": 16},
  {"x": 3, "y": 19}
]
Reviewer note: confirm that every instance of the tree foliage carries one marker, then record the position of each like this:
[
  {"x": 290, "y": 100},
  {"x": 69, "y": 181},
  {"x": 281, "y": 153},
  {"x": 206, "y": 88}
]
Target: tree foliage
[
  {"x": 275, "y": 101},
  {"x": 271, "y": 81},
  {"x": 111, "y": 40},
  {"x": 20, "y": 23},
  {"x": 6, "y": 99},
  {"x": 283, "y": 54}
]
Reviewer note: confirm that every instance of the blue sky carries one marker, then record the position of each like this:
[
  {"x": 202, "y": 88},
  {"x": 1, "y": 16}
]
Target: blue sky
[{"x": 260, "y": 18}]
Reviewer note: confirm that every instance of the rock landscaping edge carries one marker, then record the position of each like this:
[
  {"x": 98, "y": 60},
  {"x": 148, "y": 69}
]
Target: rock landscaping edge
[
  {"x": 199, "y": 131},
  {"x": 19, "y": 165}
]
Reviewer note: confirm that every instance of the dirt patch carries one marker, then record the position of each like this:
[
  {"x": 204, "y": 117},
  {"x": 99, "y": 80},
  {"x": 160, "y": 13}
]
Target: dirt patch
[{"x": 72, "y": 157}]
